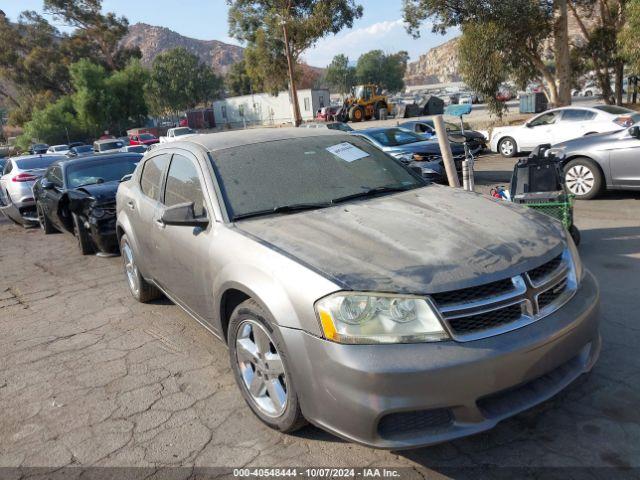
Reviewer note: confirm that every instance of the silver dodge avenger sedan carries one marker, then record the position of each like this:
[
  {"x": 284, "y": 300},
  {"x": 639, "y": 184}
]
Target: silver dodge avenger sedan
[{"x": 352, "y": 293}]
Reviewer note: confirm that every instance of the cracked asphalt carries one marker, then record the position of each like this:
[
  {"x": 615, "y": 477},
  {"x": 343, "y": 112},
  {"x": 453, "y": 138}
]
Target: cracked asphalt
[{"x": 89, "y": 377}]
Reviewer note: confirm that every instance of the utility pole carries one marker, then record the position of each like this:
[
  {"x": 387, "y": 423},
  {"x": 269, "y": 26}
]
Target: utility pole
[{"x": 297, "y": 118}]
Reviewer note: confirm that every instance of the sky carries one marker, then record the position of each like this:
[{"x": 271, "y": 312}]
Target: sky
[{"x": 380, "y": 27}]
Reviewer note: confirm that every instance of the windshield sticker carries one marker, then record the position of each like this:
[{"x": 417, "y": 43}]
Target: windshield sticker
[{"x": 347, "y": 152}]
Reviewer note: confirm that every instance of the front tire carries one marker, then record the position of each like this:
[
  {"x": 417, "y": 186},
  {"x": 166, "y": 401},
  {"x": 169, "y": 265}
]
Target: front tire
[
  {"x": 508, "y": 147},
  {"x": 139, "y": 288},
  {"x": 583, "y": 178},
  {"x": 45, "y": 224},
  {"x": 261, "y": 368},
  {"x": 356, "y": 114},
  {"x": 85, "y": 244}
]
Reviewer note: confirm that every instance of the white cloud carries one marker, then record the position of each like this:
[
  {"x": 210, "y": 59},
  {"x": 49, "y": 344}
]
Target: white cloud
[{"x": 388, "y": 36}]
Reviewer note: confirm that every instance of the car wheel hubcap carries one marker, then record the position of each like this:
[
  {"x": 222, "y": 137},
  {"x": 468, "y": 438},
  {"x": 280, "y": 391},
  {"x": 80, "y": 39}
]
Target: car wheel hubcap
[
  {"x": 507, "y": 147},
  {"x": 261, "y": 368},
  {"x": 579, "y": 180},
  {"x": 130, "y": 268}
]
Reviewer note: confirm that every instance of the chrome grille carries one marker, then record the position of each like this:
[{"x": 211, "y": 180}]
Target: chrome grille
[{"x": 504, "y": 305}]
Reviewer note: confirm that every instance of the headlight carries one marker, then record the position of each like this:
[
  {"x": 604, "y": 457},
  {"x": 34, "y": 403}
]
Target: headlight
[
  {"x": 578, "y": 270},
  {"x": 98, "y": 212},
  {"x": 558, "y": 152},
  {"x": 363, "y": 318}
]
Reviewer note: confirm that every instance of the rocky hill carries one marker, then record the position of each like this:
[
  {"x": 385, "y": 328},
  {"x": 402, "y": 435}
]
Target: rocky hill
[
  {"x": 154, "y": 40},
  {"x": 440, "y": 64}
]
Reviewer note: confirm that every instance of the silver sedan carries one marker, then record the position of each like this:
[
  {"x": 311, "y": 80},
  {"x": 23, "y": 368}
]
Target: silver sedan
[{"x": 351, "y": 292}]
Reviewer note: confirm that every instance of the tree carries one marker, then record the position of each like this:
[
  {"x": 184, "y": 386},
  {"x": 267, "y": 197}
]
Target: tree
[
  {"x": 54, "y": 124},
  {"x": 339, "y": 75},
  {"x": 279, "y": 31},
  {"x": 98, "y": 34},
  {"x": 528, "y": 24},
  {"x": 628, "y": 37},
  {"x": 482, "y": 62},
  {"x": 238, "y": 82},
  {"x": 382, "y": 69},
  {"x": 179, "y": 81}
]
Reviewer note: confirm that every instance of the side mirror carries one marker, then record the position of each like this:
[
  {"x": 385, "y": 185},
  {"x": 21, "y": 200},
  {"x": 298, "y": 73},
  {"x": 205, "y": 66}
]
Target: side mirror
[
  {"x": 183, "y": 214},
  {"x": 46, "y": 184},
  {"x": 528, "y": 125},
  {"x": 635, "y": 131}
]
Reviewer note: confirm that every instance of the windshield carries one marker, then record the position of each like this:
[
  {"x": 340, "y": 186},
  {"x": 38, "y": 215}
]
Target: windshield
[
  {"x": 137, "y": 149},
  {"x": 146, "y": 136},
  {"x": 99, "y": 171},
  {"x": 394, "y": 137},
  {"x": 304, "y": 171},
  {"x": 110, "y": 146},
  {"x": 181, "y": 131},
  {"x": 35, "y": 163},
  {"x": 339, "y": 126},
  {"x": 613, "y": 109},
  {"x": 83, "y": 149},
  {"x": 60, "y": 148}
]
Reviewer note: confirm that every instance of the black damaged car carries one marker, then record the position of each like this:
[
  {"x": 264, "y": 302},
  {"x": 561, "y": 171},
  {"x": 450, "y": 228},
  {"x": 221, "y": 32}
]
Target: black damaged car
[{"x": 79, "y": 196}]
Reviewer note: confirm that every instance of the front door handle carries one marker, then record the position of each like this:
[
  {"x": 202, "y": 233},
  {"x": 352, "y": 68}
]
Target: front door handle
[
  {"x": 131, "y": 205},
  {"x": 160, "y": 223}
]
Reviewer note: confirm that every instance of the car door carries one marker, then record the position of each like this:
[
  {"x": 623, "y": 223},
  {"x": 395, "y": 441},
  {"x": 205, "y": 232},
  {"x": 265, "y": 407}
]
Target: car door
[
  {"x": 625, "y": 162},
  {"x": 573, "y": 123},
  {"x": 185, "y": 271},
  {"x": 538, "y": 131},
  {"x": 50, "y": 197},
  {"x": 144, "y": 210}
]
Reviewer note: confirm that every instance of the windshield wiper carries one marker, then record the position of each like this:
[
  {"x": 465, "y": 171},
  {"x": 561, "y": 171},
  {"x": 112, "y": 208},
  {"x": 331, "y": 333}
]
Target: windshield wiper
[
  {"x": 296, "y": 207},
  {"x": 374, "y": 191}
]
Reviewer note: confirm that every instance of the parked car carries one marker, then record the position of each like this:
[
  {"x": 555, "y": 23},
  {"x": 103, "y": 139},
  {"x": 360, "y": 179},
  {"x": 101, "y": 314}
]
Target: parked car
[
  {"x": 125, "y": 141},
  {"x": 80, "y": 151},
  {"x": 344, "y": 127},
  {"x": 351, "y": 292},
  {"x": 38, "y": 149},
  {"x": 58, "y": 149},
  {"x": 78, "y": 196},
  {"x": 143, "y": 139},
  {"x": 134, "y": 149},
  {"x": 18, "y": 176},
  {"x": 178, "y": 133},
  {"x": 477, "y": 140},
  {"x": 75, "y": 144},
  {"x": 559, "y": 125},
  {"x": 109, "y": 145},
  {"x": 605, "y": 161},
  {"x": 413, "y": 149},
  {"x": 590, "y": 90}
]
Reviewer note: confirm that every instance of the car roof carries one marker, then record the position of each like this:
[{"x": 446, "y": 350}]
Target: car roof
[
  {"x": 43, "y": 155},
  {"x": 374, "y": 130},
  {"x": 107, "y": 140},
  {"x": 222, "y": 140},
  {"x": 66, "y": 162}
]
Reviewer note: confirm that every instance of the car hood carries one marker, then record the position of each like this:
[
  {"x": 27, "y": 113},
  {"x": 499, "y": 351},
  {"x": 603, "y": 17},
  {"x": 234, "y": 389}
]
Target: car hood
[
  {"x": 429, "y": 147},
  {"x": 102, "y": 192},
  {"x": 423, "y": 241},
  {"x": 590, "y": 141}
]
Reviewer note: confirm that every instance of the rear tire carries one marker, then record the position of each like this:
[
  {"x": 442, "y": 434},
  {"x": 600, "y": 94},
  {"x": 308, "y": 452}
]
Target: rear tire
[
  {"x": 356, "y": 114},
  {"x": 508, "y": 147},
  {"x": 140, "y": 289},
  {"x": 85, "y": 244},
  {"x": 376, "y": 109},
  {"x": 583, "y": 178},
  {"x": 268, "y": 390},
  {"x": 45, "y": 224}
]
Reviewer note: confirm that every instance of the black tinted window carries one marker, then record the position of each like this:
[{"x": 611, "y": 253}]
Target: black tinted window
[
  {"x": 152, "y": 175},
  {"x": 100, "y": 171},
  {"x": 34, "y": 163},
  {"x": 183, "y": 185},
  {"x": 54, "y": 175},
  {"x": 576, "y": 115}
]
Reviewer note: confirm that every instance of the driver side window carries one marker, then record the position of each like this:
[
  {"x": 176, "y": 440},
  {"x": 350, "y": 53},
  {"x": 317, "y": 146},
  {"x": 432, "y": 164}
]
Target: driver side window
[
  {"x": 544, "y": 119},
  {"x": 54, "y": 175},
  {"x": 183, "y": 185}
]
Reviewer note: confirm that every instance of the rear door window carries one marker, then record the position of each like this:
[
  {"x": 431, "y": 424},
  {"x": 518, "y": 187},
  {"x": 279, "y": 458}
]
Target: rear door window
[
  {"x": 577, "y": 115},
  {"x": 184, "y": 186},
  {"x": 151, "y": 177}
]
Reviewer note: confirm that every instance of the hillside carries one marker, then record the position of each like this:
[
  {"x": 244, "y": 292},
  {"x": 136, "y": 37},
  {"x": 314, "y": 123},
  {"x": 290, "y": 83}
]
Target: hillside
[{"x": 154, "y": 40}]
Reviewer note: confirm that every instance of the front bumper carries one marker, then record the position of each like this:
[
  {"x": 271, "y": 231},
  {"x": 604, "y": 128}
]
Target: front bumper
[
  {"x": 413, "y": 395},
  {"x": 103, "y": 233}
]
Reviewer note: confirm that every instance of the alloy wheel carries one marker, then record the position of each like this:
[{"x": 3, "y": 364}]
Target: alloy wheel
[
  {"x": 261, "y": 368},
  {"x": 40, "y": 214},
  {"x": 579, "y": 179},
  {"x": 130, "y": 268}
]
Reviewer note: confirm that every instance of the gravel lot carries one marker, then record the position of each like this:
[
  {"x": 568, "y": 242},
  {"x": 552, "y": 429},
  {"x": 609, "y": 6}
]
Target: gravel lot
[{"x": 90, "y": 377}]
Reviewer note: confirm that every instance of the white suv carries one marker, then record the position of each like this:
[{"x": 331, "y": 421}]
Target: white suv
[{"x": 559, "y": 125}]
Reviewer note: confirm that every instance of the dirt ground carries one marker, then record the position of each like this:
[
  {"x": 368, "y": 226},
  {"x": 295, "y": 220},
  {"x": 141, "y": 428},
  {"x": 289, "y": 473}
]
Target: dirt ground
[{"x": 89, "y": 377}]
